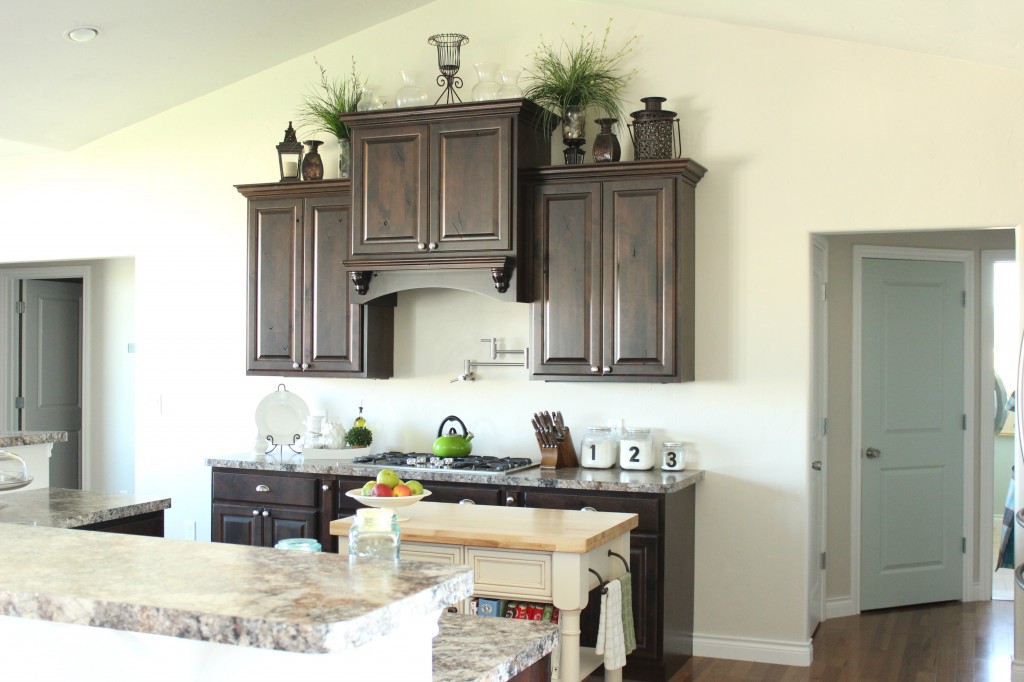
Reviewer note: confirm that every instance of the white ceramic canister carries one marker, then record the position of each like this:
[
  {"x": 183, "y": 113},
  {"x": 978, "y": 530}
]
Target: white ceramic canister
[
  {"x": 597, "y": 451},
  {"x": 673, "y": 456},
  {"x": 636, "y": 449}
]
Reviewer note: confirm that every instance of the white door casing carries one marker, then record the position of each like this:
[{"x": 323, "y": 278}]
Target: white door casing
[
  {"x": 817, "y": 464},
  {"x": 893, "y": 563}
]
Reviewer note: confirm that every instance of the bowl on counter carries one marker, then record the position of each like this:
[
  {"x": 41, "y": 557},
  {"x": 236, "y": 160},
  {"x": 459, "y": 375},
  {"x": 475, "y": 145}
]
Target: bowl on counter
[{"x": 386, "y": 502}]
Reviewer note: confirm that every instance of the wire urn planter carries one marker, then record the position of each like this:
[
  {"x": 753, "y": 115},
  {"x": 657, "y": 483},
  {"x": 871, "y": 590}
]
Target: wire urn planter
[
  {"x": 448, "y": 48},
  {"x": 651, "y": 132}
]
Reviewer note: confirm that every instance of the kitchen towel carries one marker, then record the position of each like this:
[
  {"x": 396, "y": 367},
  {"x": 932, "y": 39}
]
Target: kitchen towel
[
  {"x": 629, "y": 633},
  {"x": 613, "y": 624}
]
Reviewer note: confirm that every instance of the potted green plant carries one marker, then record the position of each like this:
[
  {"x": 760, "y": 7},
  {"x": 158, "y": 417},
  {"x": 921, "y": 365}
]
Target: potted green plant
[
  {"x": 324, "y": 105},
  {"x": 573, "y": 77}
]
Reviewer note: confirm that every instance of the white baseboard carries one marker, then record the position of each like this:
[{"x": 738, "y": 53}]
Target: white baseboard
[
  {"x": 840, "y": 607},
  {"x": 757, "y": 650},
  {"x": 1016, "y": 671}
]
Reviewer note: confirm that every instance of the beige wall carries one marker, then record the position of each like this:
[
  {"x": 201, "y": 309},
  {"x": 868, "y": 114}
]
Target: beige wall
[
  {"x": 800, "y": 135},
  {"x": 840, "y": 343}
]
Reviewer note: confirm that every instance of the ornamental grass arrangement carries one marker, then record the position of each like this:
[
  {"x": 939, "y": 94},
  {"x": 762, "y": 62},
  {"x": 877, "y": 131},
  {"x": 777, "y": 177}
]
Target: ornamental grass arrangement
[
  {"x": 322, "y": 108},
  {"x": 579, "y": 75}
]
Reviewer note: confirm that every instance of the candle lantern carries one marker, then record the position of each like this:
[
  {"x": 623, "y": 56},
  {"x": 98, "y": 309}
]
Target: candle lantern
[
  {"x": 448, "y": 47},
  {"x": 651, "y": 132},
  {"x": 289, "y": 155}
]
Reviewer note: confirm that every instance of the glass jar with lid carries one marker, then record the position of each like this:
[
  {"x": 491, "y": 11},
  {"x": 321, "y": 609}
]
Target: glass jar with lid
[
  {"x": 597, "y": 451},
  {"x": 636, "y": 449},
  {"x": 374, "y": 536},
  {"x": 673, "y": 456}
]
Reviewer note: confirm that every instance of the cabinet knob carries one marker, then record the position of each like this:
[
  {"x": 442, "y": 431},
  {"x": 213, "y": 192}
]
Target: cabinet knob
[
  {"x": 431, "y": 246},
  {"x": 325, "y": 487},
  {"x": 255, "y": 512},
  {"x": 594, "y": 369},
  {"x": 262, "y": 488},
  {"x": 604, "y": 370},
  {"x": 421, "y": 246},
  {"x": 587, "y": 509},
  {"x": 510, "y": 501},
  {"x": 467, "y": 501},
  {"x": 265, "y": 513},
  {"x": 295, "y": 365},
  {"x": 305, "y": 366}
]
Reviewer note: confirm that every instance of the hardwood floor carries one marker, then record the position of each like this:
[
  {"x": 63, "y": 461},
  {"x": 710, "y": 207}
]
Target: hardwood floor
[{"x": 953, "y": 641}]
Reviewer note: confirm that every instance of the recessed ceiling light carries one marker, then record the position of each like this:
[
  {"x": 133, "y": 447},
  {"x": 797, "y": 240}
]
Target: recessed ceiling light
[{"x": 82, "y": 34}]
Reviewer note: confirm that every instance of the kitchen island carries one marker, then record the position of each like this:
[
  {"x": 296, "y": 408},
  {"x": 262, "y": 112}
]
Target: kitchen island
[
  {"x": 123, "y": 604},
  {"x": 85, "y": 510},
  {"x": 549, "y": 555}
]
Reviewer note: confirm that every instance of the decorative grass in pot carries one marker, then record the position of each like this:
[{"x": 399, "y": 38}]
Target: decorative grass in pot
[
  {"x": 569, "y": 79},
  {"x": 322, "y": 109}
]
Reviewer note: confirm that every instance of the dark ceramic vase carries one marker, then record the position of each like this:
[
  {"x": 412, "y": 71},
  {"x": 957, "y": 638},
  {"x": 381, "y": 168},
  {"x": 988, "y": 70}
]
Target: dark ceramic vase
[
  {"x": 606, "y": 144},
  {"x": 312, "y": 164}
]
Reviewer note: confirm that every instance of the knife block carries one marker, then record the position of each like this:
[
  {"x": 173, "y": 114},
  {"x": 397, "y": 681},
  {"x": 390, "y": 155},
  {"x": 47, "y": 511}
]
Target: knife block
[{"x": 561, "y": 457}]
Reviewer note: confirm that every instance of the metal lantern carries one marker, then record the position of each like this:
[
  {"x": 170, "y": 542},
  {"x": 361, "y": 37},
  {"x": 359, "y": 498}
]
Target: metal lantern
[
  {"x": 289, "y": 155},
  {"x": 651, "y": 132},
  {"x": 448, "y": 46}
]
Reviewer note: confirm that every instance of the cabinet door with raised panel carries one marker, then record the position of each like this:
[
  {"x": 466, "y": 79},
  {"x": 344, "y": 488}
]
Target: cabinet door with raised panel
[
  {"x": 390, "y": 180},
  {"x": 567, "y": 311},
  {"x": 333, "y": 325},
  {"x": 274, "y": 329},
  {"x": 283, "y": 523},
  {"x": 471, "y": 185},
  {"x": 237, "y": 524},
  {"x": 639, "y": 283}
]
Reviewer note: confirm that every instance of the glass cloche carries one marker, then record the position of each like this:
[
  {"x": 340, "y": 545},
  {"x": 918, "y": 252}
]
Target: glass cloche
[{"x": 13, "y": 471}]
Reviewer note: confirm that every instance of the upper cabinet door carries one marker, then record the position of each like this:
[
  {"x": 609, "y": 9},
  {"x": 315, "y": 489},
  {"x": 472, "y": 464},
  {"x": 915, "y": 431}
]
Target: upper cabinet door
[
  {"x": 567, "y": 313},
  {"x": 471, "y": 185},
  {"x": 640, "y": 277},
  {"x": 333, "y": 323},
  {"x": 392, "y": 184},
  {"x": 274, "y": 331}
]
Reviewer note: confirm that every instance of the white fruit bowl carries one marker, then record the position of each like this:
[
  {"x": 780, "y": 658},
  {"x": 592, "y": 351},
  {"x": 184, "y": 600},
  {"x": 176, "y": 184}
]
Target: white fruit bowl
[{"x": 386, "y": 502}]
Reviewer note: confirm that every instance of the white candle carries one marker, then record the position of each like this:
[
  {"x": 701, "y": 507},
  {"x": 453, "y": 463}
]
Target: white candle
[{"x": 291, "y": 169}]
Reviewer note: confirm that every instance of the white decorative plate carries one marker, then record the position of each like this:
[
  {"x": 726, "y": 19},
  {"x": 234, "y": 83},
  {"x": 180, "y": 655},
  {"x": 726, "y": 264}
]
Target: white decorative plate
[{"x": 282, "y": 415}]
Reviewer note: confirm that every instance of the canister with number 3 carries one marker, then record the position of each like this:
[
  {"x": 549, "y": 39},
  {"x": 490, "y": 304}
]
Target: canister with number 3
[
  {"x": 673, "y": 456},
  {"x": 636, "y": 449}
]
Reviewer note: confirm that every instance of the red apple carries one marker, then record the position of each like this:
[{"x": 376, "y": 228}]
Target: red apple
[
  {"x": 401, "y": 490},
  {"x": 381, "y": 490}
]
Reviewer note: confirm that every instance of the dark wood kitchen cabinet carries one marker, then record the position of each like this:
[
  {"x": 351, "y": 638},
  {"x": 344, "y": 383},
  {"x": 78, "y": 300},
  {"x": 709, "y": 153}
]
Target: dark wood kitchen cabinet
[
  {"x": 262, "y": 508},
  {"x": 614, "y": 270},
  {"x": 435, "y": 188},
  {"x": 300, "y": 319}
]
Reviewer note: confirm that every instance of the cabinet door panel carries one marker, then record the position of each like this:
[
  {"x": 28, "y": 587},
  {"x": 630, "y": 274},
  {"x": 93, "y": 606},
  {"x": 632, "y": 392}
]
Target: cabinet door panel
[
  {"x": 333, "y": 322},
  {"x": 453, "y": 493},
  {"x": 283, "y": 524},
  {"x": 639, "y": 289},
  {"x": 567, "y": 314},
  {"x": 236, "y": 524},
  {"x": 392, "y": 185},
  {"x": 470, "y": 202},
  {"x": 275, "y": 284}
]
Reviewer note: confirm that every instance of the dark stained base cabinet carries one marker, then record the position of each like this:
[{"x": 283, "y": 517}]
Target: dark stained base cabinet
[
  {"x": 150, "y": 524},
  {"x": 661, "y": 556}
]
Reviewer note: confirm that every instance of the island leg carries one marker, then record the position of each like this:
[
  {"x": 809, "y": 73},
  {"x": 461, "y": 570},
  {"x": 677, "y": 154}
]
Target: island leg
[{"x": 569, "y": 632}]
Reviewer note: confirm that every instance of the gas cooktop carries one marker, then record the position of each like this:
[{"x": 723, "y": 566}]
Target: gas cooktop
[{"x": 473, "y": 464}]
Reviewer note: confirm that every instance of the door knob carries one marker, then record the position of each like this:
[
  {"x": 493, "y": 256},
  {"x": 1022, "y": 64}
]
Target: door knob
[
  {"x": 873, "y": 453},
  {"x": 816, "y": 465}
]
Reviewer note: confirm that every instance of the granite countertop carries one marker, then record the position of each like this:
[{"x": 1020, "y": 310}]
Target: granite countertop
[
  {"x": 577, "y": 478},
  {"x": 64, "y": 508},
  {"x": 13, "y": 439},
  {"x": 489, "y": 649},
  {"x": 228, "y": 594}
]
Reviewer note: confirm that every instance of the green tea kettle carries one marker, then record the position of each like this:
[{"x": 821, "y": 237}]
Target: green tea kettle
[{"x": 453, "y": 445}]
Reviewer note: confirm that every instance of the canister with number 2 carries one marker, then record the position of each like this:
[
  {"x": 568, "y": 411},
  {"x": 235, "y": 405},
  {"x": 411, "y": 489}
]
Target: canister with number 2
[{"x": 636, "y": 449}]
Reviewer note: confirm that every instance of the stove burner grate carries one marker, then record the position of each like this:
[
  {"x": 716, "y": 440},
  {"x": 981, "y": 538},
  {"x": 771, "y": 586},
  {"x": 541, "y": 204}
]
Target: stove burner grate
[{"x": 469, "y": 463}]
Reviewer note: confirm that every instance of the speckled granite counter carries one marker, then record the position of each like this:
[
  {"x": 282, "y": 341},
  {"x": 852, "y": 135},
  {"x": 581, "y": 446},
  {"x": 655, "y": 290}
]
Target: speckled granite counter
[
  {"x": 13, "y": 439},
  {"x": 244, "y": 596},
  {"x": 63, "y": 508},
  {"x": 472, "y": 648},
  {"x": 621, "y": 480}
]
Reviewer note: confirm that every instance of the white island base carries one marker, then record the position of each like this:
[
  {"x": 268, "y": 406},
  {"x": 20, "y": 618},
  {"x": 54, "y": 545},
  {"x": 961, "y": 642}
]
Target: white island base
[{"x": 49, "y": 650}]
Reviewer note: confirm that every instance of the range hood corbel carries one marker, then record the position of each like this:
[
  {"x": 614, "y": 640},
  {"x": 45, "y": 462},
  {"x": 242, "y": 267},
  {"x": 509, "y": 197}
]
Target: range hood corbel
[{"x": 444, "y": 272}]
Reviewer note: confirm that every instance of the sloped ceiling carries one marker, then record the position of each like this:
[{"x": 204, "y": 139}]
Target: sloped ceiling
[{"x": 152, "y": 56}]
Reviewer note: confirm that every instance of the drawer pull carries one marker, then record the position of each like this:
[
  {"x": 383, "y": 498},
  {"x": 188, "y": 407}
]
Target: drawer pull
[
  {"x": 453, "y": 609},
  {"x": 587, "y": 509},
  {"x": 262, "y": 488},
  {"x": 467, "y": 501}
]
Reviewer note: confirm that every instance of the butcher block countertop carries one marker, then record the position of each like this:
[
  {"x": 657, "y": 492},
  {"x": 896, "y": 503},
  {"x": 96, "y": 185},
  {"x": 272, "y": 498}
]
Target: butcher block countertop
[{"x": 547, "y": 530}]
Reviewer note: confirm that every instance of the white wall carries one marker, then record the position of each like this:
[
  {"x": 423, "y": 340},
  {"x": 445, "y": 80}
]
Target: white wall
[{"x": 800, "y": 135}]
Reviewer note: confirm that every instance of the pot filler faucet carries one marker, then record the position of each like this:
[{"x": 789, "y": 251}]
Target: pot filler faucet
[{"x": 468, "y": 375}]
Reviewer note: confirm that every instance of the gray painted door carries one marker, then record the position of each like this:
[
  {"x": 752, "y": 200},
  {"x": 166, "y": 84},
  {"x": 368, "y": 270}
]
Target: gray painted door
[
  {"x": 51, "y": 371},
  {"x": 912, "y": 432}
]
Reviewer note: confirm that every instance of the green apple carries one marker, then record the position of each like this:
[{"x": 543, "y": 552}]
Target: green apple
[
  {"x": 415, "y": 487},
  {"x": 388, "y": 478},
  {"x": 367, "y": 488}
]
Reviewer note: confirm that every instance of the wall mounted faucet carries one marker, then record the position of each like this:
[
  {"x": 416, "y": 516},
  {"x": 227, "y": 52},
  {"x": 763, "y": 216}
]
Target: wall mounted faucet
[{"x": 469, "y": 375}]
